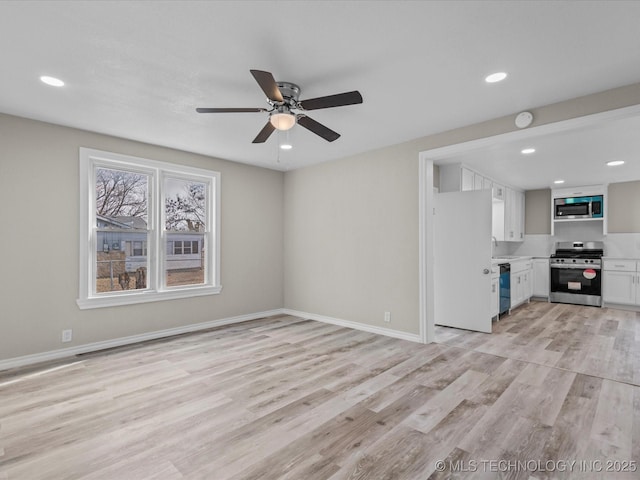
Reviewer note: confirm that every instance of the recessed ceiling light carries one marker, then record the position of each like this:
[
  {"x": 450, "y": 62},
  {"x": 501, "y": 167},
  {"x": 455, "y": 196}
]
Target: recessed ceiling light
[
  {"x": 53, "y": 81},
  {"x": 286, "y": 146},
  {"x": 527, "y": 151},
  {"x": 558, "y": 181},
  {"x": 495, "y": 77},
  {"x": 615, "y": 163}
]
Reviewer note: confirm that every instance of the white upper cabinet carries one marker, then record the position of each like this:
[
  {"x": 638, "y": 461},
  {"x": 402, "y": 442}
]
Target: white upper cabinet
[
  {"x": 478, "y": 181},
  {"x": 509, "y": 215},
  {"x": 508, "y": 207},
  {"x": 514, "y": 215},
  {"x": 467, "y": 180},
  {"x": 519, "y": 216}
]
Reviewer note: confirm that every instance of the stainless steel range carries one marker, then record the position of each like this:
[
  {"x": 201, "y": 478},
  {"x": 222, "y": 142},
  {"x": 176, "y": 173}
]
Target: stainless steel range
[{"x": 576, "y": 273}]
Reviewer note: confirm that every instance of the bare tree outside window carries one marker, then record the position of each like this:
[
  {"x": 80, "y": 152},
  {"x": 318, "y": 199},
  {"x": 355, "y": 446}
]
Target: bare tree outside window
[
  {"x": 185, "y": 209},
  {"x": 121, "y": 193},
  {"x": 121, "y": 221},
  {"x": 185, "y": 218}
]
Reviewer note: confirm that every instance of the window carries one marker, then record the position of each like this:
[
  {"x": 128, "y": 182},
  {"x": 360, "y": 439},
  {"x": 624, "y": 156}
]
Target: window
[
  {"x": 180, "y": 247},
  {"x": 149, "y": 230},
  {"x": 139, "y": 249}
]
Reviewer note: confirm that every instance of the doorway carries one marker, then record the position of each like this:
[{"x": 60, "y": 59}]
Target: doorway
[{"x": 426, "y": 195}]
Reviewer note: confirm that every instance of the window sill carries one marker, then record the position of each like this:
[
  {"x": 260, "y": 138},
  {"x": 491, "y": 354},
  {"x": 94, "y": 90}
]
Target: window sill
[{"x": 145, "y": 297}]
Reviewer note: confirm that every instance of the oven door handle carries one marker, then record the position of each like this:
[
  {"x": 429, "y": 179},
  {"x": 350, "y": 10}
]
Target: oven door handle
[{"x": 564, "y": 266}]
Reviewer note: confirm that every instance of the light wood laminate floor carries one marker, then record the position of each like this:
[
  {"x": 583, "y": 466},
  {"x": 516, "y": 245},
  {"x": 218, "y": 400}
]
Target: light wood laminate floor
[{"x": 288, "y": 398}]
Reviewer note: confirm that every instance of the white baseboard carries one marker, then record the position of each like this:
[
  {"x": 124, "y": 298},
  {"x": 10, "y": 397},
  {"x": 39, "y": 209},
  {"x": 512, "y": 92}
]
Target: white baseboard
[
  {"x": 412, "y": 337},
  {"x": 619, "y": 306},
  {"x": 118, "y": 342}
]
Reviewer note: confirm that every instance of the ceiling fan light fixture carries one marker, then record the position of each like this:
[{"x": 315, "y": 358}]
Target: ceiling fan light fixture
[{"x": 282, "y": 121}]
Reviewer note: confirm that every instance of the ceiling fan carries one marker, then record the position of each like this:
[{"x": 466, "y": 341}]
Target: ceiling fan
[{"x": 282, "y": 98}]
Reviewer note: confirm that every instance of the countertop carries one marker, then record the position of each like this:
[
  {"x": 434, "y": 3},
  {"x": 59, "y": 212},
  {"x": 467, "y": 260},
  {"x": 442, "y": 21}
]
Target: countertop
[{"x": 511, "y": 258}]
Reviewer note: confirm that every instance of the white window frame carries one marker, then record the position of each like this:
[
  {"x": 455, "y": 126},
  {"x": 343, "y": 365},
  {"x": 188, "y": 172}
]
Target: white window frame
[{"x": 157, "y": 289}]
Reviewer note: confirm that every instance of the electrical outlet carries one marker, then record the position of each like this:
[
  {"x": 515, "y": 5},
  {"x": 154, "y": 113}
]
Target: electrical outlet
[
  {"x": 387, "y": 317},
  {"x": 67, "y": 335}
]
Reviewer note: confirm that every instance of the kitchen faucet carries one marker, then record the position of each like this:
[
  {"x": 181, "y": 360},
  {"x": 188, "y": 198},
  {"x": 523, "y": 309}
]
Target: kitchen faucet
[{"x": 495, "y": 241}]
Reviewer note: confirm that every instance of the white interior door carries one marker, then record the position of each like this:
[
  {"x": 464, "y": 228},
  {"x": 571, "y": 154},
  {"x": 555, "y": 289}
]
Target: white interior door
[{"x": 462, "y": 260}]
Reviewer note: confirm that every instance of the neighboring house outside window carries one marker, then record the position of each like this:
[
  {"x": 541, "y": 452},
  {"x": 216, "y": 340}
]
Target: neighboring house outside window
[{"x": 129, "y": 208}]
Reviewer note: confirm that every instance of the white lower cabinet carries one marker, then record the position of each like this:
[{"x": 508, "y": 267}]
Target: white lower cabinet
[
  {"x": 621, "y": 282},
  {"x": 541, "y": 277},
  {"x": 521, "y": 282},
  {"x": 495, "y": 295}
]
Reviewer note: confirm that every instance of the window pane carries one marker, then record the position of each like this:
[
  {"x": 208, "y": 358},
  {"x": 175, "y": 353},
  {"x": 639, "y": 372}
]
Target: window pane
[
  {"x": 139, "y": 249},
  {"x": 185, "y": 214},
  {"x": 121, "y": 221}
]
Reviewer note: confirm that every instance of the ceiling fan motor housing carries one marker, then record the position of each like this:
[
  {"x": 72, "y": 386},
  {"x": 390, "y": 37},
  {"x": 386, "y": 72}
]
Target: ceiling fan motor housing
[{"x": 290, "y": 92}]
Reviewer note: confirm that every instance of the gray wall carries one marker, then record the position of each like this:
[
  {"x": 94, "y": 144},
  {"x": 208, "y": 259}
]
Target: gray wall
[
  {"x": 351, "y": 226},
  {"x": 623, "y": 211},
  {"x": 537, "y": 212},
  {"x": 351, "y": 237},
  {"x": 39, "y": 218}
]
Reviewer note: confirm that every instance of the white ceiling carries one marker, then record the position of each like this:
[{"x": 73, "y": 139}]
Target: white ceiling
[
  {"x": 578, "y": 156},
  {"x": 138, "y": 69}
]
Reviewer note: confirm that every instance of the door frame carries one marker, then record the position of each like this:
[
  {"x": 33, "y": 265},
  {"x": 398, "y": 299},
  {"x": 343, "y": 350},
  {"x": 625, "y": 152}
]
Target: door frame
[{"x": 426, "y": 161}]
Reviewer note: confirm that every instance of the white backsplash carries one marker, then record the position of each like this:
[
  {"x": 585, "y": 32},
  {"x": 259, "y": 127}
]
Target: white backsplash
[
  {"x": 625, "y": 245},
  {"x": 503, "y": 248},
  {"x": 536, "y": 246},
  {"x": 622, "y": 245}
]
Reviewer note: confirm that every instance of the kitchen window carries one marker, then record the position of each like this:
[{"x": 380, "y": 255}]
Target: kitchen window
[{"x": 149, "y": 230}]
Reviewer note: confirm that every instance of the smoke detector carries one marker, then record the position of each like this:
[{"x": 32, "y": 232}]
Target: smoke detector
[{"x": 524, "y": 119}]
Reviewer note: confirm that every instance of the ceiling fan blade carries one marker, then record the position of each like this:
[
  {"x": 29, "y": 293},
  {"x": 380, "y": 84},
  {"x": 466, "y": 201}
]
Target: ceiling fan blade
[
  {"x": 230, "y": 110},
  {"x": 264, "y": 134},
  {"x": 338, "y": 100},
  {"x": 317, "y": 128},
  {"x": 268, "y": 85}
]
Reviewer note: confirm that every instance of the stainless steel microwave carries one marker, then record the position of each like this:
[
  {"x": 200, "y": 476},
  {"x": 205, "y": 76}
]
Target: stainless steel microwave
[{"x": 578, "y": 207}]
